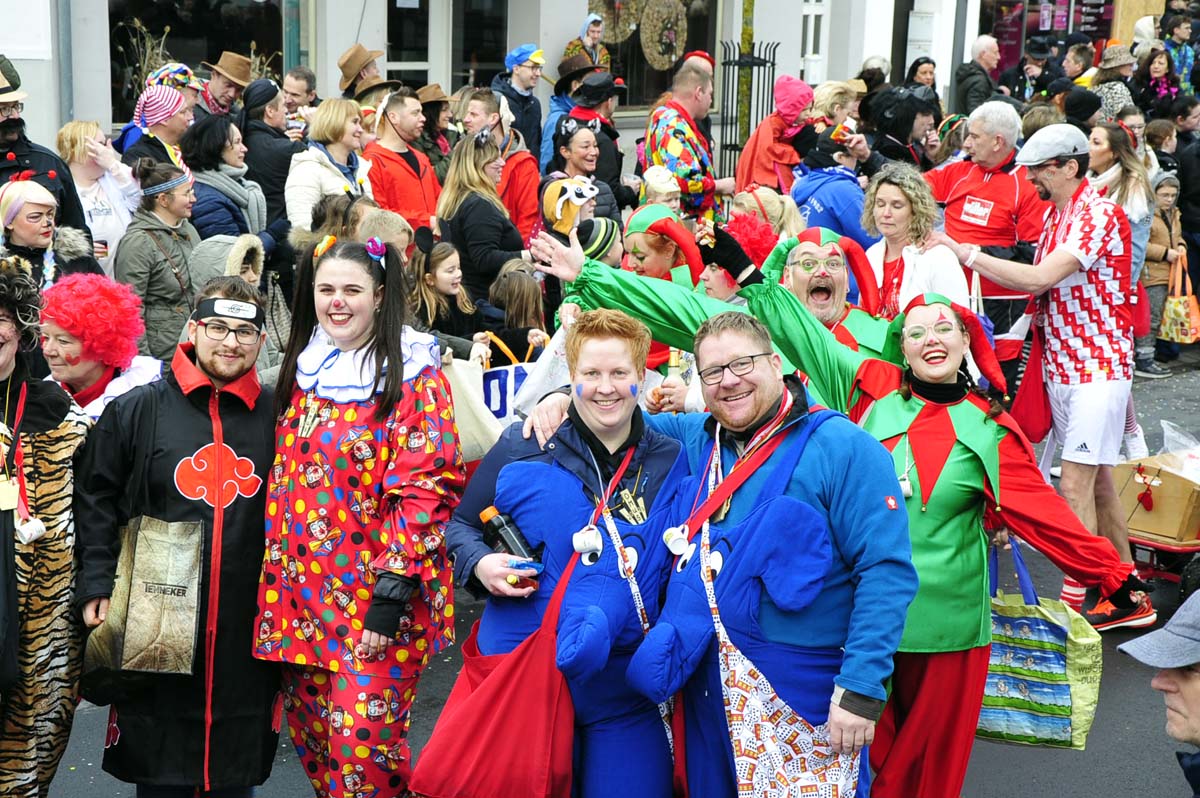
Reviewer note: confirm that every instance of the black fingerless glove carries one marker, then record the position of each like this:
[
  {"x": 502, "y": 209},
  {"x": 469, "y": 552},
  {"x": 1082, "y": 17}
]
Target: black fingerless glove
[
  {"x": 391, "y": 595},
  {"x": 1122, "y": 598},
  {"x": 727, "y": 253}
]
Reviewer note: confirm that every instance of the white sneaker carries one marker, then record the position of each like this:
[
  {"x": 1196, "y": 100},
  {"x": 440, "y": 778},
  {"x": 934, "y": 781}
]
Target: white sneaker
[{"x": 1135, "y": 444}]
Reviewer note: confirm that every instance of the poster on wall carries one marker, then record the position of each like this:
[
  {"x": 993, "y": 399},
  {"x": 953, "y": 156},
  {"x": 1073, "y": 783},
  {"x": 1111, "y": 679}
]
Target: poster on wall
[
  {"x": 29, "y": 40},
  {"x": 1094, "y": 18},
  {"x": 1009, "y": 29}
]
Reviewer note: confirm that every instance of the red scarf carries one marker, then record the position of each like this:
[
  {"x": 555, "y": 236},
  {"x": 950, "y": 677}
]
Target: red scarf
[
  {"x": 213, "y": 106},
  {"x": 86, "y": 396}
]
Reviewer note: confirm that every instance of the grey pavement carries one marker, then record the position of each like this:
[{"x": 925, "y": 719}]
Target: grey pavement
[{"x": 1128, "y": 752}]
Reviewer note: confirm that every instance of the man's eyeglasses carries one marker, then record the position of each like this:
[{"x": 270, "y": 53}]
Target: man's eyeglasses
[
  {"x": 832, "y": 265},
  {"x": 532, "y": 66},
  {"x": 217, "y": 331},
  {"x": 11, "y": 109},
  {"x": 917, "y": 333},
  {"x": 740, "y": 367}
]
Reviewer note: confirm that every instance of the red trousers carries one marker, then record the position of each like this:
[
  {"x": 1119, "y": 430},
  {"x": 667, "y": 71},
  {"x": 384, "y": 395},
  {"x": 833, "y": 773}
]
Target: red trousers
[
  {"x": 923, "y": 741},
  {"x": 350, "y": 731}
]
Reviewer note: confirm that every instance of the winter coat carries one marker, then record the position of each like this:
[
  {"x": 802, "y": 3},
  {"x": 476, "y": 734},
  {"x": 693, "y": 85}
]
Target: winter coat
[
  {"x": 912, "y": 154},
  {"x": 1021, "y": 87},
  {"x": 147, "y": 456},
  {"x": 1166, "y": 232},
  {"x": 147, "y": 147},
  {"x": 269, "y": 159},
  {"x": 767, "y": 158},
  {"x": 518, "y": 187},
  {"x": 973, "y": 87},
  {"x": 1189, "y": 184},
  {"x": 218, "y": 212},
  {"x": 440, "y": 161},
  {"x": 25, "y": 155},
  {"x": 312, "y": 176},
  {"x": 486, "y": 240},
  {"x": 832, "y": 198},
  {"x": 606, "y": 203},
  {"x": 397, "y": 188},
  {"x": 526, "y": 109},
  {"x": 71, "y": 253},
  {"x": 559, "y": 104},
  {"x": 152, "y": 259},
  {"x": 1155, "y": 99}
]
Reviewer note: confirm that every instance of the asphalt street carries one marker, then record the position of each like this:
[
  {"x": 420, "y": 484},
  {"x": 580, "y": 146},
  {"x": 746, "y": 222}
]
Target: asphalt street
[{"x": 1128, "y": 752}]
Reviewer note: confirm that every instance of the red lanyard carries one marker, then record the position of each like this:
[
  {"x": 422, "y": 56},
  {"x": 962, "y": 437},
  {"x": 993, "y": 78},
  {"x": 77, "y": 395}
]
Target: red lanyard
[
  {"x": 612, "y": 486},
  {"x": 761, "y": 446},
  {"x": 19, "y": 457}
]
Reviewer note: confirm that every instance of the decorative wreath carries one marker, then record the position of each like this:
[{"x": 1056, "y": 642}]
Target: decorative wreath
[
  {"x": 620, "y": 17},
  {"x": 664, "y": 33}
]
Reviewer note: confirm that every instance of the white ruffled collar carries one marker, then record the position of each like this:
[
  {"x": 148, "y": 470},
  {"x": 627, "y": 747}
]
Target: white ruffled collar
[{"x": 340, "y": 376}]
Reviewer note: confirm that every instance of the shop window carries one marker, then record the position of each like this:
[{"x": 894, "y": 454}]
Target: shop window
[
  {"x": 478, "y": 44},
  {"x": 150, "y": 33},
  {"x": 643, "y": 42}
]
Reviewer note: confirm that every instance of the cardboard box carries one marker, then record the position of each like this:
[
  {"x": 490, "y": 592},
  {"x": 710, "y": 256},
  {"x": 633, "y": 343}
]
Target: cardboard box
[{"x": 1175, "y": 499}]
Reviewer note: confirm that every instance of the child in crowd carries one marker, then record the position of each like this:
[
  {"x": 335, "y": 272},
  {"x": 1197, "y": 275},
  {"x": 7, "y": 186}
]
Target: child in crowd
[
  {"x": 1165, "y": 247},
  {"x": 388, "y": 226},
  {"x": 518, "y": 294},
  {"x": 660, "y": 188},
  {"x": 441, "y": 303},
  {"x": 1162, "y": 138}
]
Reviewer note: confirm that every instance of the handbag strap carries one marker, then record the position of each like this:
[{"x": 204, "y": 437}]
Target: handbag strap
[
  {"x": 1180, "y": 282},
  {"x": 550, "y": 617},
  {"x": 1024, "y": 580},
  {"x": 175, "y": 270},
  {"x": 503, "y": 347}
]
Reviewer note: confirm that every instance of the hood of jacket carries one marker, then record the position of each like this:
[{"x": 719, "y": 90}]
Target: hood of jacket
[
  {"x": 515, "y": 144},
  {"x": 145, "y": 220},
  {"x": 966, "y": 71},
  {"x": 503, "y": 84},
  {"x": 822, "y": 180},
  {"x": 561, "y": 104}
]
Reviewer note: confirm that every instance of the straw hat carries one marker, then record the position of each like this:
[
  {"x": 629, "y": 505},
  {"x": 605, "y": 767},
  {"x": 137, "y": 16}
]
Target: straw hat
[{"x": 354, "y": 61}]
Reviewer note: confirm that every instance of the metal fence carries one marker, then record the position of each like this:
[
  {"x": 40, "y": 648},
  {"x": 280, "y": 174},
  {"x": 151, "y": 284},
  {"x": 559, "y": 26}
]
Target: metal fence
[{"x": 760, "y": 61}]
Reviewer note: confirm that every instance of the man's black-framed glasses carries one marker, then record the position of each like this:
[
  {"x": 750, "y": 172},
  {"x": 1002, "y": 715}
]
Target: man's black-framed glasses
[
  {"x": 740, "y": 367},
  {"x": 219, "y": 331}
]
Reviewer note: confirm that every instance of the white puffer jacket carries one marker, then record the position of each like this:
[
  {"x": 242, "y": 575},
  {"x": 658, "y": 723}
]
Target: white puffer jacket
[{"x": 312, "y": 176}]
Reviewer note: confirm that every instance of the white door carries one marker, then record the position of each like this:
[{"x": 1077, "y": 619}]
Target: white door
[{"x": 814, "y": 39}]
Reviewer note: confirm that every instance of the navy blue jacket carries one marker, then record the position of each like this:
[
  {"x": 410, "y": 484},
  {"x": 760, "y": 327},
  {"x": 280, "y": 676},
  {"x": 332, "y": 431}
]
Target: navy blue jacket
[
  {"x": 526, "y": 109},
  {"x": 652, "y": 461},
  {"x": 215, "y": 214}
]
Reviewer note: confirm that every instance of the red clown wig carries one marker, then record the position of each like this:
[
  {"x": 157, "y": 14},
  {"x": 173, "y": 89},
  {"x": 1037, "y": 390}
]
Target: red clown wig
[{"x": 106, "y": 316}]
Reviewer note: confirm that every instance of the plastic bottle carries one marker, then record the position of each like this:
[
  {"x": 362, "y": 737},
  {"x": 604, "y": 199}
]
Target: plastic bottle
[{"x": 502, "y": 535}]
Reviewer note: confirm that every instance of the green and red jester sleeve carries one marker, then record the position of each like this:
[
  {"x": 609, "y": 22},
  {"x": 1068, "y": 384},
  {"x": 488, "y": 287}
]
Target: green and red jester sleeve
[{"x": 1043, "y": 519}]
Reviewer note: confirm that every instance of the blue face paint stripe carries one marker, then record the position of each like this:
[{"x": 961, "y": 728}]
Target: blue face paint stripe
[
  {"x": 579, "y": 391},
  {"x": 633, "y": 390}
]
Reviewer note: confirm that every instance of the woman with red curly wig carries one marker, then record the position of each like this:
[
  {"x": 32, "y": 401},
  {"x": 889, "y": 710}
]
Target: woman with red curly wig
[{"x": 90, "y": 329}]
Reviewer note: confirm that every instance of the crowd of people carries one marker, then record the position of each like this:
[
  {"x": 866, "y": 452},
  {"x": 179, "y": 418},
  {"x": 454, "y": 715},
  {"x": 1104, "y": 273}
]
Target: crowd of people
[{"x": 229, "y": 330}]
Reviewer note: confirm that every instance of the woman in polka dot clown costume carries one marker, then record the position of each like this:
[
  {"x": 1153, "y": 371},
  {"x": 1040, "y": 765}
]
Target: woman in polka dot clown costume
[{"x": 355, "y": 594}]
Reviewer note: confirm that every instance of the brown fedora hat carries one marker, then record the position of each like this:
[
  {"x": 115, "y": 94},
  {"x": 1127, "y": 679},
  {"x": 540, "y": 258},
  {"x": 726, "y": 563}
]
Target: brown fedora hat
[
  {"x": 353, "y": 61},
  {"x": 570, "y": 68},
  {"x": 372, "y": 83},
  {"x": 432, "y": 93},
  {"x": 233, "y": 66}
]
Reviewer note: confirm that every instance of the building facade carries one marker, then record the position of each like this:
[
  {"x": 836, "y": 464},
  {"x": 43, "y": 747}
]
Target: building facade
[{"x": 88, "y": 55}]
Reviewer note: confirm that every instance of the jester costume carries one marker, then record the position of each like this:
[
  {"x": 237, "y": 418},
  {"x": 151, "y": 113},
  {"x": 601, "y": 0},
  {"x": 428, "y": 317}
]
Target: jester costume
[
  {"x": 958, "y": 462},
  {"x": 674, "y": 141},
  {"x": 351, "y": 500}
]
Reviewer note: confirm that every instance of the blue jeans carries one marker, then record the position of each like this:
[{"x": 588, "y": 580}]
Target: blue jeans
[{"x": 147, "y": 791}]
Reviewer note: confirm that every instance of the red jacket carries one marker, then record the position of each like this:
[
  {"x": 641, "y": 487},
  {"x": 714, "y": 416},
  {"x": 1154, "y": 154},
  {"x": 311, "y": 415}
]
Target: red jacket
[
  {"x": 397, "y": 188},
  {"x": 767, "y": 159},
  {"x": 989, "y": 207},
  {"x": 519, "y": 191}
]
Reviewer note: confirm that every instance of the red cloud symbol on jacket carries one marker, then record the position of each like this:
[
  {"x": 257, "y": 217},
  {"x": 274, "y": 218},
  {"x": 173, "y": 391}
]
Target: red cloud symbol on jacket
[{"x": 196, "y": 476}]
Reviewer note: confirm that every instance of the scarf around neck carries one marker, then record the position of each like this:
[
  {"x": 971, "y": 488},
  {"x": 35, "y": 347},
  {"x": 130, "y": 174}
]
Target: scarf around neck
[
  {"x": 1108, "y": 183},
  {"x": 246, "y": 194}
]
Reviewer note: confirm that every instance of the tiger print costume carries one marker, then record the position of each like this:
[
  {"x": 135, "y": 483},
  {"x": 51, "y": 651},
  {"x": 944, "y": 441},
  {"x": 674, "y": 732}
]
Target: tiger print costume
[{"x": 37, "y": 712}]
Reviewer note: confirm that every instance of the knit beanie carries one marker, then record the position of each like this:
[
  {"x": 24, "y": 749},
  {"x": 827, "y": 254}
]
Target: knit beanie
[{"x": 157, "y": 104}]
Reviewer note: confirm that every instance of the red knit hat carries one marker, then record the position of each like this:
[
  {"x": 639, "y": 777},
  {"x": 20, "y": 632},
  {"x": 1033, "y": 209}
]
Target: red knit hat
[{"x": 981, "y": 349}]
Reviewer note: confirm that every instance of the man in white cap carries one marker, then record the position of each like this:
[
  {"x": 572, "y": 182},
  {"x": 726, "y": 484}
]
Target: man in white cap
[
  {"x": 1080, "y": 278},
  {"x": 19, "y": 154},
  {"x": 1175, "y": 651}
]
